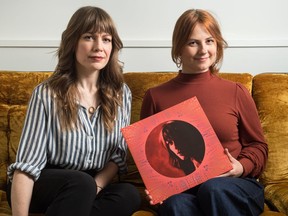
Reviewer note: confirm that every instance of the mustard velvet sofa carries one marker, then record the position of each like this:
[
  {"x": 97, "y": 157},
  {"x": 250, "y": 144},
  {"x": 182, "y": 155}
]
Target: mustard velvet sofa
[{"x": 269, "y": 90}]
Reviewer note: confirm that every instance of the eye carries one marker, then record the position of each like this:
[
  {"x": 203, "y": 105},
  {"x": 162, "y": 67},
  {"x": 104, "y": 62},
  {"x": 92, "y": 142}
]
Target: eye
[
  {"x": 87, "y": 37},
  {"x": 107, "y": 39},
  {"x": 192, "y": 43},
  {"x": 168, "y": 141},
  {"x": 210, "y": 41}
]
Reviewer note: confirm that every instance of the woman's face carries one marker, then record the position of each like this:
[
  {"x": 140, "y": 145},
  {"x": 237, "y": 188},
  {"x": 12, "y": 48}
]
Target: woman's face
[
  {"x": 176, "y": 151},
  {"x": 200, "y": 51},
  {"x": 93, "y": 51},
  {"x": 171, "y": 145}
]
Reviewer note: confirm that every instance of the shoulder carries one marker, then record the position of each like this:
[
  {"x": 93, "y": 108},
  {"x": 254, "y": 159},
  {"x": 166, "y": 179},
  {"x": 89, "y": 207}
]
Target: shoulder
[
  {"x": 126, "y": 93},
  {"x": 239, "y": 91},
  {"x": 231, "y": 85},
  {"x": 41, "y": 89},
  {"x": 164, "y": 87},
  {"x": 43, "y": 93},
  {"x": 126, "y": 90}
]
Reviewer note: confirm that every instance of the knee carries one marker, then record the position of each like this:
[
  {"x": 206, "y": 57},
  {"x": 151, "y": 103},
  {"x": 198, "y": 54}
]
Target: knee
[
  {"x": 174, "y": 203},
  {"x": 131, "y": 193},
  {"x": 125, "y": 196},
  {"x": 81, "y": 183},
  {"x": 170, "y": 205},
  {"x": 212, "y": 187}
]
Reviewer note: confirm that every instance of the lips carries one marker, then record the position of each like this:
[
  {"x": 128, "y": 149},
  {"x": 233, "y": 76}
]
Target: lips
[
  {"x": 96, "y": 58},
  {"x": 201, "y": 58}
]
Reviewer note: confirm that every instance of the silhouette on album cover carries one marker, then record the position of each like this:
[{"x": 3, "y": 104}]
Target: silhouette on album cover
[{"x": 175, "y": 148}]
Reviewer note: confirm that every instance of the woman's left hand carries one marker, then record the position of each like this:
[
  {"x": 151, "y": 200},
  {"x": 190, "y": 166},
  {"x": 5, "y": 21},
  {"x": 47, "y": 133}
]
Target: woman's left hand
[
  {"x": 237, "y": 168},
  {"x": 149, "y": 198}
]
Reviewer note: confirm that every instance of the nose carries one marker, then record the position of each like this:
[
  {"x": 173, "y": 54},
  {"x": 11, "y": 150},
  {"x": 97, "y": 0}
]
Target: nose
[
  {"x": 97, "y": 46},
  {"x": 203, "y": 49}
]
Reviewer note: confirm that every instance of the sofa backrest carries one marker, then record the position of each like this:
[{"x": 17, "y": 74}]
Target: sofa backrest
[
  {"x": 270, "y": 93},
  {"x": 16, "y": 89},
  {"x": 15, "y": 92}
]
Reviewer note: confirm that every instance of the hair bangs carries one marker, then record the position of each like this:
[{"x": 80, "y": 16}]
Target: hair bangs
[{"x": 98, "y": 23}]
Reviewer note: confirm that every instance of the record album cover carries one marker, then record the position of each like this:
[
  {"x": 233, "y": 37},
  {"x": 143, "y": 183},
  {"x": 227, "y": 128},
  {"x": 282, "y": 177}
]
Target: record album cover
[{"x": 175, "y": 149}]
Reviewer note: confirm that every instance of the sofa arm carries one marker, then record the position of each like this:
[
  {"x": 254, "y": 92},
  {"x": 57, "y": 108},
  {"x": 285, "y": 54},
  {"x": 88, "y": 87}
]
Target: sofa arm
[{"x": 277, "y": 196}]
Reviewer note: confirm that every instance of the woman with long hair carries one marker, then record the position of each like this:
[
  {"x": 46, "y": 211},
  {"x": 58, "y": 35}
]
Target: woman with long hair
[{"x": 71, "y": 146}]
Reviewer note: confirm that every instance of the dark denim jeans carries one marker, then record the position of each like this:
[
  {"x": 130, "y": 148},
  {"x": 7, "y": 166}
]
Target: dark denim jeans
[{"x": 223, "y": 196}]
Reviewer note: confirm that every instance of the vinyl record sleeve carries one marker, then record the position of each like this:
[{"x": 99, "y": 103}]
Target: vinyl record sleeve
[{"x": 176, "y": 149}]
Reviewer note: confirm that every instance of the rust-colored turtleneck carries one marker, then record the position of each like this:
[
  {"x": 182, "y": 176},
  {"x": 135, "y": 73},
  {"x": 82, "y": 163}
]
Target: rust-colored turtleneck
[{"x": 229, "y": 108}]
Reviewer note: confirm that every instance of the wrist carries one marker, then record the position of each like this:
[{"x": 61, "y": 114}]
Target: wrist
[{"x": 99, "y": 188}]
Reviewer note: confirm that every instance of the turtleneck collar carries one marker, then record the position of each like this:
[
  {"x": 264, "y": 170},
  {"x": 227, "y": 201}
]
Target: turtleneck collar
[{"x": 193, "y": 78}]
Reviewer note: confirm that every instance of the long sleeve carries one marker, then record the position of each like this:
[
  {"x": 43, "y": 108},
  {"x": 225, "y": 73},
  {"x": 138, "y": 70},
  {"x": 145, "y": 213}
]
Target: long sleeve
[
  {"x": 31, "y": 155},
  {"x": 254, "y": 153}
]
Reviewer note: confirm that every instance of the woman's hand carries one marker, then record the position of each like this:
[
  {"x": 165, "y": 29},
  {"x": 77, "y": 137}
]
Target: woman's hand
[
  {"x": 105, "y": 176},
  {"x": 98, "y": 189},
  {"x": 149, "y": 198},
  {"x": 237, "y": 168}
]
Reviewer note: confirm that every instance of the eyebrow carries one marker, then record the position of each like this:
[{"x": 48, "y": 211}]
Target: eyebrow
[
  {"x": 104, "y": 33},
  {"x": 199, "y": 40}
]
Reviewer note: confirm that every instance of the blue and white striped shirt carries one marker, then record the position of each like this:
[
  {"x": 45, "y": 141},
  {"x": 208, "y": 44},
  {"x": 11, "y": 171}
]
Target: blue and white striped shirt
[{"x": 87, "y": 147}]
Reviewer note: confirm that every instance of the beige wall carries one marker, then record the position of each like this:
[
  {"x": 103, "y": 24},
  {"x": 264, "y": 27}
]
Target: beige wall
[{"x": 255, "y": 30}]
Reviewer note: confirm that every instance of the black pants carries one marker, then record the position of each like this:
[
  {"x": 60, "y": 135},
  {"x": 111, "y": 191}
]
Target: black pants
[{"x": 60, "y": 192}]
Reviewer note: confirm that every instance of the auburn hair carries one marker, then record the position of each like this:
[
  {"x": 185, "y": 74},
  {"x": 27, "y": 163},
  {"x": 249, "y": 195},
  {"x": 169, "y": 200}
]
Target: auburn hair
[{"x": 184, "y": 28}]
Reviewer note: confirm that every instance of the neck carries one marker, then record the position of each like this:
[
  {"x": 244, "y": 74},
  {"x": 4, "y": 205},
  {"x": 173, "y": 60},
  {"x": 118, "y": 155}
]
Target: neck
[
  {"x": 193, "y": 72},
  {"x": 87, "y": 88},
  {"x": 87, "y": 78}
]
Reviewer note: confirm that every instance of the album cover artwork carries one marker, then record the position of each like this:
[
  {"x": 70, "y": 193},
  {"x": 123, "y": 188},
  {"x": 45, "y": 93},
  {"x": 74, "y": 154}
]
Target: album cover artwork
[{"x": 175, "y": 149}]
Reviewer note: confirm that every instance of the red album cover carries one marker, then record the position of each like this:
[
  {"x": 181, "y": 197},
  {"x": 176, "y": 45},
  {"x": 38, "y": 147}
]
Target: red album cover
[{"x": 176, "y": 149}]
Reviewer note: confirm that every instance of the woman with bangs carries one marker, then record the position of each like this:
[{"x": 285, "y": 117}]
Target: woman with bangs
[
  {"x": 71, "y": 148},
  {"x": 197, "y": 49}
]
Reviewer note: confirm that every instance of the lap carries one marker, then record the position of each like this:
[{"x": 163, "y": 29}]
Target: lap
[
  {"x": 229, "y": 183},
  {"x": 81, "y": 187},
  {"x": 244, "y": 193}
]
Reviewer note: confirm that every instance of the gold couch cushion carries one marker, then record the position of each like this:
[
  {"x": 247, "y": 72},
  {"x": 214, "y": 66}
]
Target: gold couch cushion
[
  {"x": 270, "y": 92},
  {"x": 276, "y": 195},
  {"x": 16, "y": 117},
  {"x": 16, "y": 87},
  {"x": 3, "y": 144},
  {"x": 4, "y": 207}
]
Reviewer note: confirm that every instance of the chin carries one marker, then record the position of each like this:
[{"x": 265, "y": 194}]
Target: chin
[{"x": 203, "y": 69}]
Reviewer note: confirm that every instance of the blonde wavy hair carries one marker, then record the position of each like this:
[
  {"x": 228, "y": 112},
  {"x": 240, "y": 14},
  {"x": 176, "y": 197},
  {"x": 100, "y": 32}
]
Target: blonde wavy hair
[{"x": 110, "y": 81}]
